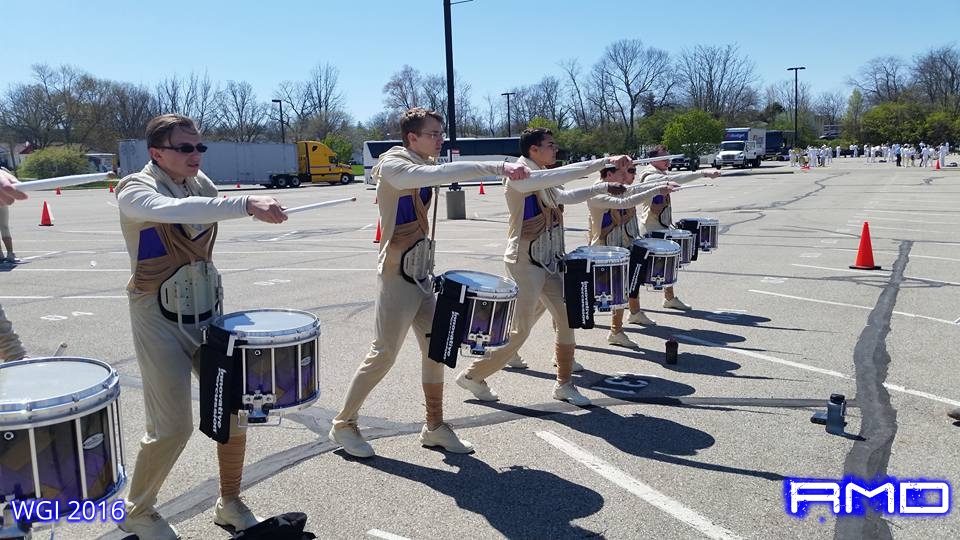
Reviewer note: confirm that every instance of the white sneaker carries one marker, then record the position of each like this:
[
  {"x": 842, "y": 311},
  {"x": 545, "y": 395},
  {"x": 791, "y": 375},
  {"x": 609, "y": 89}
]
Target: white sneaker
[
  {"x": 569, "y": 393},
  {"x": 676, "y": 303},
  {"x": 234, "y": 512},
  {"x": 480, "y": 390},
  {"x": 517, "y": 362},
  {"x": 577, "y": 367},
  {"x": 352, "y": 442},
  {"x": 641, "y": 318},
  {"x": 444, "y": 436},
  {"x": 621, "y": 339},
  {"x": 149, "y": 525}
]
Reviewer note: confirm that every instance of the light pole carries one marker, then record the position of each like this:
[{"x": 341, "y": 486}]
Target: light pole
[
  {"x": 508, "y": 94},
  {"x": 796, "y": 101},
  {"x": 283, "y": 135},
  {"x": 456, "y": 199}
]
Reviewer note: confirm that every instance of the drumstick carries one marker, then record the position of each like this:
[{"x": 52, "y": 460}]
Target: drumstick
[
  {"x": 60, "y": 349},
  {"x": 657, "y": 158},
  {"x": 313, "y": 206},
  {"x": 62, "y": 181},
  {"x": 688, "y": 186}
]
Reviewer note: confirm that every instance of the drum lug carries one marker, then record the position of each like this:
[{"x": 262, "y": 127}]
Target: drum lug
[{"x": 258, "y": 407}]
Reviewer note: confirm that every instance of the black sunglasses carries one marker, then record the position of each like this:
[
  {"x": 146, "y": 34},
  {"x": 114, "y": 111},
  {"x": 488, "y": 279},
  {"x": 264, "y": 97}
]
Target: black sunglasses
[
  {"x": 186, "y": 148},
  {"x": 632, "y": 170}
]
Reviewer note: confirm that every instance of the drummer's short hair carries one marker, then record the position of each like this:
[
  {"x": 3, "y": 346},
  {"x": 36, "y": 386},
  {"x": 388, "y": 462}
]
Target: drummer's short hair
[
  {"x": 607, "y": 170},
  {"x": 412, "y": 121},
  {"x": 160, "y": 127},
  {"x": 532, "y": 137},
  {"x": 658, "y": 150}
]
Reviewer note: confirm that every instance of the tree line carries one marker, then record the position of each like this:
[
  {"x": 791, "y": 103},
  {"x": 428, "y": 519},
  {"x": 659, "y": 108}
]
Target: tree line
[{"x": 626, "y": 98}]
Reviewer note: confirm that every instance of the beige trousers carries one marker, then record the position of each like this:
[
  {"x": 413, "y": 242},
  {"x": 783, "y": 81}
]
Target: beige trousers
[
  {"x": 400, "y": 305},
  {"x": 539, "y": 289},
  {"x": 166, "y": 358},
  {"x": 10, "y": 346}
]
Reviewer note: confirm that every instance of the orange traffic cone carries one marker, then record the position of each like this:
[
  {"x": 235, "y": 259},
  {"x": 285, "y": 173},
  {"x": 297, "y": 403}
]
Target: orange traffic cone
[
  {"x": 865, "y": 253},
  {"x": 45, "y": 219},
  {"x": 482, "y": 192},
  {"x": 58, "y": 191},
  {"x": 238, "y": 185},
  {"x": 111, "y": 187},
  {"x": 376, "y": 239},
  {"x": 936, "y": 165}
]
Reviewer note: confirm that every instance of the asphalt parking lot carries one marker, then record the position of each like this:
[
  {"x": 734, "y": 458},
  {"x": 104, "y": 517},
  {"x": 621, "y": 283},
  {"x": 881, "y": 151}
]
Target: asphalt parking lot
[{"x": 697, "y": 449}]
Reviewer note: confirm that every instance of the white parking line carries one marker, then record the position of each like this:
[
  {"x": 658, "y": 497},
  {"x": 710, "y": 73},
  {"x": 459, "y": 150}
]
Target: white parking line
[
  {"x": 914, "y": 212},
  {"x": 905, "y": 314},
  {"x": 774, "y": 359},
  {"x": 385, "y": 535},
  {"x": 918, "y": 278},
  {"x": 912, "y": 256},
  {"x": 660, "y": 500},
  {"x": 912, "y": 230}
]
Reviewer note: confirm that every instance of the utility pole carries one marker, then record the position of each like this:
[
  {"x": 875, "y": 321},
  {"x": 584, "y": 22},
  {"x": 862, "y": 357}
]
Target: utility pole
[
  {"x": 508, "y": 94},
  {"x": 796, "y": 103}
]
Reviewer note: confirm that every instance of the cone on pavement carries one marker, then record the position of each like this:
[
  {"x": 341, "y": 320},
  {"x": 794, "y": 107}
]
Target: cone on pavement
[
  {"x": 238, "y": 185},
  {"x": 376, "y": 239},
  {"x": 111, "y": 187},
  {"x": 482, "y": 192},
  {"x": 936, "y": 165},
  {"x": 45, "y": 219},
  {"x": 865, "y": 253},
  {"x": 58, "y": 191}
]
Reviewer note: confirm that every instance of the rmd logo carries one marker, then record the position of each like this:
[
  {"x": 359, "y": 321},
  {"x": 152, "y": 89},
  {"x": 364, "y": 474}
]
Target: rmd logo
[{"x": 851, "y": 496}]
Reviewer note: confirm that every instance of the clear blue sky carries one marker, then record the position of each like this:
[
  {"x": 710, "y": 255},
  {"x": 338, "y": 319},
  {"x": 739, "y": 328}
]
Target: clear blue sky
[{"x": 498, "y": 44}]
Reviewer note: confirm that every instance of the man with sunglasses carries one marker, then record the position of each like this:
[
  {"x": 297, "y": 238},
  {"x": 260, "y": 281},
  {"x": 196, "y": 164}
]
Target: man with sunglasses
[
  {"x": 10, "y": 346},
  {"x": 168, "y": 215},
  {"x": 405, "y": 178},
  {"x": 534, "y": 249},
  {"x": 656, "y": 214},
  {"x": 613, "y": 222}
]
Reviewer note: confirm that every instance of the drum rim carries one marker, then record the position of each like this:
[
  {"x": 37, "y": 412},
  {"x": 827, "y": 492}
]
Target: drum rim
[
  {"x": 678, "y": 233},
  {"x": 674, "y": 249},
  {"x": 36, "y": 413},
  {"x": 311, "y": 330},
  {"x": 511, "y": 288},
  {"x": 616, "y": 255}
]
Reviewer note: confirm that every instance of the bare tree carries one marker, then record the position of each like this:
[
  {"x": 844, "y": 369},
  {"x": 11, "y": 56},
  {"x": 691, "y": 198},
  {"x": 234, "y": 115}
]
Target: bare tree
[
  {"x": 131, "y": 110},
  {"x": 883, "y": 79},
  {"x": 717, "y": 79},
  {"x": 830, "y": 106},
  {"x": 575, "y": 93},
  {"x": 240, "y": 117},
  {"x": 936, "y": 74},
  {"x": 402, "y": 91},
  {"x": 194, "y": 96},
  {"x": 634, "y": 72},
  {"x": 26, "y": 111},
  {"x": 491, "y": 119}
]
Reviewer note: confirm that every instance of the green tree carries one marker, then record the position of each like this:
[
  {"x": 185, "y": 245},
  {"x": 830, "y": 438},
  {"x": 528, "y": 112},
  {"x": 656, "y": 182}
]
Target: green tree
[
  {"x": 650, "y": 129},
  {"x": 55, "y": 161},
  {"x": 341, "y": 145},
  {"x": 893, "y": 123},
  {"x": 939, "y": 127},
  {"x": 693, "y": 133},
  {"x": 853, "y": 118}
]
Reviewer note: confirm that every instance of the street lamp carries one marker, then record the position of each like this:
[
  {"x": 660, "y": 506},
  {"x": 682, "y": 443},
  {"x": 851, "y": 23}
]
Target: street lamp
[
  {"x": 456, "y": 199},
  {"x": 283, "y": 135},
  {"x": 796, "y": 101},
  {"x": 508, "y": 94}
]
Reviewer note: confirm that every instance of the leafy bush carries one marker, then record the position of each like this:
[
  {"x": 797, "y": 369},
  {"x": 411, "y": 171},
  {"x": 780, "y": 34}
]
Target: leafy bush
[{"x": 54, "y": 161}]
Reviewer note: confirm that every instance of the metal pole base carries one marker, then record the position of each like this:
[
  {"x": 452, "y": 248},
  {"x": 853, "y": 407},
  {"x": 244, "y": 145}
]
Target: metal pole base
[{"x": 456, "y": 204}]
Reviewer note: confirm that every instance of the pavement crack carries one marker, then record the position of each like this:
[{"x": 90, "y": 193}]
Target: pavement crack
[{"x": 868, "y": 458}]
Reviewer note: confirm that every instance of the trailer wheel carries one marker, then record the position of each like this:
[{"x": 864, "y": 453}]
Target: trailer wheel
[
  {"x": 344, "y": 178},
  {"x": 294, "y": 181},
  {"x": 281, "y": 182}
]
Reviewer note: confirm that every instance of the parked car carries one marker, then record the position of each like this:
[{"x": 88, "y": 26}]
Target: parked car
[{"x": 683, "y": 162}]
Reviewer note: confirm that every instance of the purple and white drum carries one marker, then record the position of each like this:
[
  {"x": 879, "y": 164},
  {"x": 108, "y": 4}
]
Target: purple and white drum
[
  {"x": 654, "y": 262},
  {"x": 685, "y": 238},
  {"x": 706, "y": 229},
  {"x": 609, "y": 266},
  {"x": 280, "y": 360},
  {"x": 491, "y": 300},
  {"x": 60, "y": 430}
]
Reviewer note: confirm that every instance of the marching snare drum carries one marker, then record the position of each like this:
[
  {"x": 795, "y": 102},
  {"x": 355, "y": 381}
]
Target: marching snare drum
[
  {"x": 609, "y": 266},
  {"x": 279, "y": 357},
  {"x": 654, "y": 262},
  {"x": 60, "y": 433},
  {"x": 490, "y": 301},
  {"x": 683, "y": 237},
  {"x": 706, "y": 230}
]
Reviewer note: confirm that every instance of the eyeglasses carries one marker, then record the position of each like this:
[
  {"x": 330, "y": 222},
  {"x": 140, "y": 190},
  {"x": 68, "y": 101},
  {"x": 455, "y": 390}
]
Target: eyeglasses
[
  {"x": 632, "y": 170},
  {"x": 186, "y": 148},
  {"x": 434, "y": 134}
]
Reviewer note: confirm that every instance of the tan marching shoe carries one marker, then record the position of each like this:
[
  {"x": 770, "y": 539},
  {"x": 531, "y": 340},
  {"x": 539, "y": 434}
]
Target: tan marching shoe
[
  {"x": 352, "y": 442},
  {"x": 444, "y": 437},
  {"x": 569, "y": 393},
  {"x": 149, "y": 525},
  {"x": 676, "y": 303},
  {"x": 234, "y": 512},
  {"x": 480, "y": 390},
  {"x": 517, "y": 362},
  {"x": 620, "y": 339},
  {"x": 641, "y": 318}
]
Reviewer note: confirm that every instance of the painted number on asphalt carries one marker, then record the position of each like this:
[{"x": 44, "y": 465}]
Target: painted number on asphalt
[
  {"x": 64, "y": 317},
  {"x": 773, "y": 280},
  {"x": 621, "y": 384},
  {"x": 272, "y": 282}
]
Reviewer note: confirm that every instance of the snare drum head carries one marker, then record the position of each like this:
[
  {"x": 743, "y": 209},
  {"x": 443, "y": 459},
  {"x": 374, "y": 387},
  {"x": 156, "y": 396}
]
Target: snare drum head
[
  {"x": 49, "y": 388},
  {"x": 670, "y": 234},
  {"x": 269, "y": 323},
  {"x": 482, "y": 282},
  {"x": 601, "y": 254},
  {"x": 709, "y": 222},
  {"x": 658, "y": 245}
]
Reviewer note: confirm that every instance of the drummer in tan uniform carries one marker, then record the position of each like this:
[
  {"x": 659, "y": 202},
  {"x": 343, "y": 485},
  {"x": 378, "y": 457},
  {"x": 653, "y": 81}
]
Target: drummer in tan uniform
[
  {"x": 613, "y": 222},
  {"x": 656, "y": 214}
]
